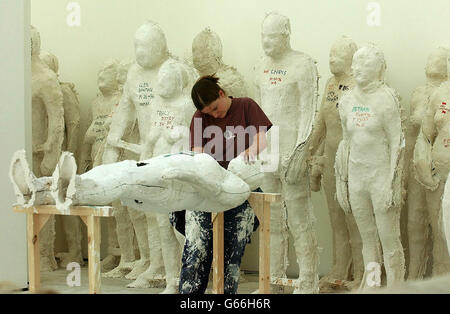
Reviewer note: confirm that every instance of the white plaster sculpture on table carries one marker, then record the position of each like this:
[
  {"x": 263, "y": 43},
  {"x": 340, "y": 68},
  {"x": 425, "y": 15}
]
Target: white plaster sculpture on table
[
  {"x": 327, "y": 134},
  {"x": 287, "y": 90},
  {"x": 71, "y": 224},
  {"x": 162, "y": 184},
  {"x": 47, "y": 134},
  {"x": 432, "y": 165},
  {"x": 207, "y": 59},
  {"x": 171, "y": 111},
  {"x": 369, "y": 164},
  {"x": 136, "y": 102},
  {"x": 417, "y": 205}
]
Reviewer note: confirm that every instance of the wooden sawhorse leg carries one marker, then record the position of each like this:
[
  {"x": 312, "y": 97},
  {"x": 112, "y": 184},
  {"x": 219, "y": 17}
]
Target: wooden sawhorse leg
[
  {"x": 94, "y": 236},
  {"x": 218, "y": 253},
  {"x": 35, "y": 222}
]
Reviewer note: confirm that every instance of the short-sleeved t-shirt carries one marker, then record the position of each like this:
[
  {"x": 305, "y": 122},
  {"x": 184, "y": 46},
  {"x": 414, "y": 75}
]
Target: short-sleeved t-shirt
[{"x": 227, "y": 137}]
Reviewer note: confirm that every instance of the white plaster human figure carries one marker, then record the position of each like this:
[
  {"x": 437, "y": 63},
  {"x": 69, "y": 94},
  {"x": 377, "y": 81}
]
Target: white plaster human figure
[
  {"x": 326, "y": 136},
  {"x": 162, "y": 184},
  {"x": 207, "y": 59},
  {"x": 71, "y": 224},
  {"x": 47, "y": 134},
  {"x": 432, "y": 165},
  {"x": 369, "y": 164},
  {"x": 136, "y": 102},
  {"x": 171, "y": 111},
  {"x": 287, "y": 82},
  {"x": 418, "y": 217}
]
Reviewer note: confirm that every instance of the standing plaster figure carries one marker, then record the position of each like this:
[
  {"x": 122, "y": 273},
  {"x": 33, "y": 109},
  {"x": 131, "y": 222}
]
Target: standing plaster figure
[
  {"x": 369, "y": 164},
  {"x": 207, "y": 59},
  {"x": 47, "y": 135},
  {"x": 418, "y": 211},
  {"x": 71, "y": 224},
  {"x": 95, "y": 139},
  {"x": 171, "y": 111},
  {"x": 432, "y": 165},
  {"x": 327, "y": 134},
  {"x": 136, "y": 102},
  {"x": 287, "y": 83}
]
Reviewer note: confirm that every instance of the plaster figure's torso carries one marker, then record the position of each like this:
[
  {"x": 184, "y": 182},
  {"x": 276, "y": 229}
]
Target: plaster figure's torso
[
  {"x": 364, "y": 122},
  {"x": 101, "y": 118},
  {"x": 441, "y": 147},
  {"x": 140, "y": 88},
  {"x": 280, "y": 94},
  {"x": 330, "y": 113}
]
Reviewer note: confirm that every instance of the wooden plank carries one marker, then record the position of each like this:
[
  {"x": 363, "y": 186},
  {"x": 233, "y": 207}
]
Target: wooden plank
[
  {"x": 97, "y": 211},
  {"x": 218, "y": 253},
  {"x": 34, "y": 277},
  {"x": 94, "y": 238},
  {"x": 264, "y": 250}
]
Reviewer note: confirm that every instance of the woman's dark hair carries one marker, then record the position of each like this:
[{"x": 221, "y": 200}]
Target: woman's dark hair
[{"x": 205, "y": 91}]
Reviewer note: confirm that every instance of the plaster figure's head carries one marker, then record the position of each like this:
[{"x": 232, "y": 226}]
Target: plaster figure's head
[
  {"x": 50, "y": 60},
  {"x": 275, "y": 35},
  {"x": 150, "y": 45},
  {"x": 209, "y": 97},
  {"x": 368, "y": 65},
  {"x": 35, "y": 41},
  {"x": 207, "y": 52},
  {"x": 437, "y": 64},
  {"x": 341, "y": 55},
  {"x": 107, "y": 77},
  {"x": 172, "y": 79}
]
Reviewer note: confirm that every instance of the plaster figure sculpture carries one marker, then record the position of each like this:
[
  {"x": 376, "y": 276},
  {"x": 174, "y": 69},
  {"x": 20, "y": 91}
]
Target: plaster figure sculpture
[
  {"x": 369, "y": 164},
  {"x": 327, "y": 134},
  {"x": 137, "y": 101},
  {"x": 287, "y": 90},
  {"x": 71, "y": 224},
  {"x": 171, "y": 182},
  {"x": 446, "y": 212},
  {"x": 417, "y": 204},
  {"x": 47, "y": 134},
  {"x": 207, "y": 59},
  {"x": 432, "y": 165},
  {"x": 171, "y": 111}
]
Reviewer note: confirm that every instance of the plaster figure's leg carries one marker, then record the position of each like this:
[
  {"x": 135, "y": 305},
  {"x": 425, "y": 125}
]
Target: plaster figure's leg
[
  {"x": 72, "y": 227},
  {"x": 110, "y": 261},
  {"x": 125, "y": 235},
  {"x": 441, "y": 259},
  {"x": 301, "y": 223},
  {"x": 388, "y": 225},
  {"x": 171, "y": 252},
  {"x": 47, "y": 244},
  {"x": 140, "y": 227},
  {"x": 153, "y": 276},
  {"x": 357, "y": 257},
  {"x": 342, "y": 253},
  {"x": 364, "y": 217},
  {"x": 417, "y": 230},
  {"x": 279, "y": 234}
]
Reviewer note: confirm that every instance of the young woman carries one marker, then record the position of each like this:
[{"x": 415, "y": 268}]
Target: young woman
[{"x": 223, "y": 127}]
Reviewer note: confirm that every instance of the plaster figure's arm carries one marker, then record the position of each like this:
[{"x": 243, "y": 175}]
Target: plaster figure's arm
[
  {"x": 71, "y": 116},
  {"x": 392, "y": 125},
  {"x": 122, "y": 118},
  {"x": 52, "y": 98},
  {"x": 308, "y": 87},
  {"x": 423, "y": 164},
  {"x": 316, "y": 150},
  {"x": 341, "y": 162},
  {"x": 85, "y": 160}
]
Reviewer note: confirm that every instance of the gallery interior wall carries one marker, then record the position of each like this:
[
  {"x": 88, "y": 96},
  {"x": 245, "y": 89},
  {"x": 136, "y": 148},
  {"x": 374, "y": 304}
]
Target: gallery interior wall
[
  {"x": 406, "y": 30},
  {"x": 15, "y": 132}
]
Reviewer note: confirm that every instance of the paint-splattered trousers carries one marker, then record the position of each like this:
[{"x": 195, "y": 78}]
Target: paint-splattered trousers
[{"x": 198, "y": 249}]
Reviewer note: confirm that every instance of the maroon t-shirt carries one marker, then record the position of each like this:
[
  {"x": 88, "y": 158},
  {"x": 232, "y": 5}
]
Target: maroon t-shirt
[{"x": 226, "y": 138}]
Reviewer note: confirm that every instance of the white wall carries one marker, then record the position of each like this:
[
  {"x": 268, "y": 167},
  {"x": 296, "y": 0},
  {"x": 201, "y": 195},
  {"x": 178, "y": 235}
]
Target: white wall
[
  {"x": 15, "y": 105},
  {"x": 409, "y": 30}
]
